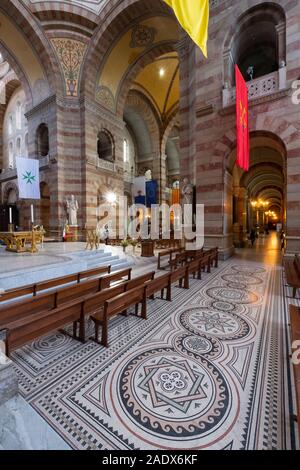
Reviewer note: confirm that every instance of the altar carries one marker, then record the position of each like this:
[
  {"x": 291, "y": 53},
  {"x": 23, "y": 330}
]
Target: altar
[{"x": 21, "y": 242}]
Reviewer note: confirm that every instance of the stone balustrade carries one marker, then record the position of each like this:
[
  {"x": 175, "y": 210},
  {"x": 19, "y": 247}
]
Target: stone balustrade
[
  {"x": 259, "y": 87},
  {"x": 106, "y": 165}
]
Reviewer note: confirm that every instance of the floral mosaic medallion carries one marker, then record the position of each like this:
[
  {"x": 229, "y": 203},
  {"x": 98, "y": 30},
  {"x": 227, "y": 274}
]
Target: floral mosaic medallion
[
  {"x": 224, "y": 306},
  {"x": 242, "y": 278},
  {"x": 196, "y": 346},
  {"x": 232, "y": 294},
  {"x": 210, "y": 322},
  {"x": 248, "y": 269},
  {"x": 172, "y": 397}
]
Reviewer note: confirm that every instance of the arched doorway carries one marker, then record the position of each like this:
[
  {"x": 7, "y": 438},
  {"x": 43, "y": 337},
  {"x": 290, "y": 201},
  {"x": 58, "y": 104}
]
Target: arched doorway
[
  {"x": 10, "y": 200},
  {"x": 259, "y": 195}
]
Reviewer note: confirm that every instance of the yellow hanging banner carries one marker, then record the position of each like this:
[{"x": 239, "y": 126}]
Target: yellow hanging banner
[{"x": 193, "y": 16}]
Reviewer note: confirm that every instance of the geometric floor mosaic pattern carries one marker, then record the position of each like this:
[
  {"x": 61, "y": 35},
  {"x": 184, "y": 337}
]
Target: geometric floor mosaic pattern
[{"x": 208, "y": 371}]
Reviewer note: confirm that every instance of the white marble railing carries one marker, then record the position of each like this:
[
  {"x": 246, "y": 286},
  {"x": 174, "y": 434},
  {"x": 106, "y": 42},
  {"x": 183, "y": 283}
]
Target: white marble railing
[
  {"x": 258, "y": 88},
  {"x": 106, "y": 165}
]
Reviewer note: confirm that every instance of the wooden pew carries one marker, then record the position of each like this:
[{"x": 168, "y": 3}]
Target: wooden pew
[
  {"x": 194, "y": 267},
  {"x": 108, "y": 280},
  {"x": 24, "y": 308},
  {"x": 292, "y": 273},
  {"x": 159, "y": 285},
  {"x": 170, "y": 254},
  {"x": 214, "y": 255},
  {"x": 35, "y": 325},
  {"x": 51, "y": 300},
  {"x": 91, "y": 286},
  {"x": 181, "y": 274},
  {"x": 34, "y": 289},
  {"x": 94, "y": 303},
  {"x": 118, "y": 305},
  {"x": 295, "y": 336}
]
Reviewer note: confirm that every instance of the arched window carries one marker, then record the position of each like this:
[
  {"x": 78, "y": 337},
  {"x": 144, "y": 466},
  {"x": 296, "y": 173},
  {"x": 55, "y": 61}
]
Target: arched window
[
  {"x": 258, "y": 44},
  {"x": 26, "y": 144},
  {"x": 19, "y": 115},
  {"x": 11, "y": 154},
  {"x": 18, "y": 147},
  {"x": 125, "y": 151},
  {"x": 42, "y": 140},
  {"x": 105, "y": 148},
  {"x": 10, "y": 125}
]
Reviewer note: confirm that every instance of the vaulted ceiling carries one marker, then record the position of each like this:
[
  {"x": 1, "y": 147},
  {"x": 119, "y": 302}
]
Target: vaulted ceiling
[{"x": 159, "y": 81}]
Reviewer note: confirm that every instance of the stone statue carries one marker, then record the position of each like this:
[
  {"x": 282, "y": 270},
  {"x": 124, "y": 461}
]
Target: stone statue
[
  {"x": 72, "y": 208},
  {"x": 148, "y": 175},
  {"x": 187, "y": 192}
]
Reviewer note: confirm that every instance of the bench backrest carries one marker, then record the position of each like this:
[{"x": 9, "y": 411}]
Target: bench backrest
[
  {"x": 15, "y": 293},
  {"x": 178, "y": 273},
  {"x": 59, "y": 281},
  {"x": 41, "y": 323},
  {"x": 137, "y": 281},
  {"x": 113, "y": 277},
  {"x": 22, "y": 308},
  {"x": 122, "y": 301},
  {"x": 156, "y": 285},
  {"x": 193, "y": 266},
  {"x": 94, "y": 272},
  {"x": 84, "y": 288},
  {"x": 33, "y": 289},
  {"x": 96, "y": 301}
]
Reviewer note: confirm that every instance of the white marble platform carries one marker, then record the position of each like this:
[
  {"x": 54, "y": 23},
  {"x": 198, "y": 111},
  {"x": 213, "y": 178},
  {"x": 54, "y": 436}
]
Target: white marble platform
[
  {"x": 22, "y": 428},
  {"x": 54, "y": 260}
]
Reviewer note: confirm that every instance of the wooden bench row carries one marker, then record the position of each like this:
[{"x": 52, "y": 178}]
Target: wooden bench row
[
  {"x": 27, "y": 320},
  {"x": 99, "y": 298},
  {"x": 167, "y": 256},
  {"x": 54, "y": 299},
  {"x": 292, "y": 273},
  {"x": 295, "y": 340},
  {"x": 34, "y": 289}
]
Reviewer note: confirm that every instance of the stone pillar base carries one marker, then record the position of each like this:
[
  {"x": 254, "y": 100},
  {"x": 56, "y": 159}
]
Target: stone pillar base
[{"x": 223, "y": 242}]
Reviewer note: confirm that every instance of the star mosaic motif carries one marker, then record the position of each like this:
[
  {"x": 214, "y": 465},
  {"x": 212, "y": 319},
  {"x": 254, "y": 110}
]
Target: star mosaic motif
[
  {"x": 214, "y": 321},
  {"x": 29, "y": 177}
]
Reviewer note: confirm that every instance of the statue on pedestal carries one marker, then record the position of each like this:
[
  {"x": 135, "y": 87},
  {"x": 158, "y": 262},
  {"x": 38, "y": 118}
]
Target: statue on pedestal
[
  {"x": 72, "y": 209},
  {"x": 187, "y": 192}
]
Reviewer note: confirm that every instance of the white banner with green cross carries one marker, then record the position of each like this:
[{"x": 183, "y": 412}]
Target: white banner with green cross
[{"x": 28, "y": 178}]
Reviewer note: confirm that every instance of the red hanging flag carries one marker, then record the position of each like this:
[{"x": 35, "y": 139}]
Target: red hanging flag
[{"x": 242, "y": 123}]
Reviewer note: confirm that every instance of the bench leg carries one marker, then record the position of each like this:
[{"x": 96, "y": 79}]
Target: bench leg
[
  {"x": 162, "y": 294},
  {"x": 7, "y": 346},
  {"x": 169, "y": 295},
  {"x": 104, "y": 339},
  {"x": 208, "y": 267},
  {"x": 294, "y": 291},
  {"x": 96, "y": 332},
  {"x": 144, "y": 309},
  {"x": 217, "y": 262},
  {"x": 74, "y": 329},
  {"x": 82, "y": 330}
]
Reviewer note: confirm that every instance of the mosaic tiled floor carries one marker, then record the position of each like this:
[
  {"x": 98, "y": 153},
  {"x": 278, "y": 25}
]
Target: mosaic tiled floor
[{"x": 207, "y": 371}]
